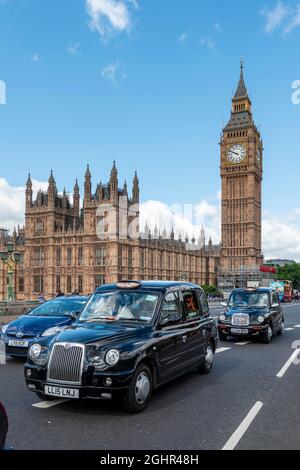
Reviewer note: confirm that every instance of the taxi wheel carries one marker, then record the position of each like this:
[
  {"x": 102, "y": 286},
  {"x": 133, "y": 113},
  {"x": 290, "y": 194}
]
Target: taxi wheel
[
  {"x": 281, "y": 329},
  {"x": 206, "y": 366},
  {"x": 267, "y": 336},
  {"x": 140, "y": 390}
]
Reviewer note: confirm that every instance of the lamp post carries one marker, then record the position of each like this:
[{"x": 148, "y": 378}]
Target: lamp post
[{"x": 10, "y": 258}]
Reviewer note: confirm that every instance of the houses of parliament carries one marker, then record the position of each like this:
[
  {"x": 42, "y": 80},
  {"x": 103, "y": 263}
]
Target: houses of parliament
[{"x": 61, "y": 250}]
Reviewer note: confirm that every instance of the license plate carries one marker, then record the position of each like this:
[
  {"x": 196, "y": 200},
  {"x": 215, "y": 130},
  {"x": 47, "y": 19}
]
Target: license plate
[
  {"x": 239, "y": 331},
  {"x": 61, "y": 392},
  {"x": 18, "y": 344}
]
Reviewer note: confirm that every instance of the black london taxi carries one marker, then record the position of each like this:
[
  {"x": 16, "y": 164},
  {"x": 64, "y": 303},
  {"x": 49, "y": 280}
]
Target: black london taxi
[
  {"x": 130, "y": 338},
  {"x": 253, "y": 313}
]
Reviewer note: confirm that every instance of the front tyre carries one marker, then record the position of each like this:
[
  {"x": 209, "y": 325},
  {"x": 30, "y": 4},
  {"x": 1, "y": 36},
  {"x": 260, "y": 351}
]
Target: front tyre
[
  {"x": 140, "y": 390},
  {"x": 267, "y": 336},
  {"x": 206, "y": 366},
  {"x": 281, "y": 329}
]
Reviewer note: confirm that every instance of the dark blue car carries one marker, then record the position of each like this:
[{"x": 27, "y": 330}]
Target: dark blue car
[{"x": 43, "y": 321}]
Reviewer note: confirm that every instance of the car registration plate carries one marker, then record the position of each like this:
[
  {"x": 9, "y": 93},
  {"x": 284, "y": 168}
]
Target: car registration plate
[
  {"x": 239, "y": 331},
  {"x": 61, "y": 392},
  {"x": 18, "y": 344}
]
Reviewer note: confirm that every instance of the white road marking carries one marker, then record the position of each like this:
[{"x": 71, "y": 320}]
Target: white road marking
[
  {"x": 288, "y": 329},
  {"x": 220, "y": 350},
  {"x": 49, "y": 404},
  {"x": 288, "y": 364},
  {"x": 243, "y": 343},
  {"x": 243, "y": 427},
  {"x": 297, "y": 326}
]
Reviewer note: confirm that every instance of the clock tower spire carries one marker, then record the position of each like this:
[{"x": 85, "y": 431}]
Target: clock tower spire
[{"x": 241, "y": 174}]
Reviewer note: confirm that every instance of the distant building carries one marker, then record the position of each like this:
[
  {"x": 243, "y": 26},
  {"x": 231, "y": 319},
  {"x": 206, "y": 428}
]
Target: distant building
[{"x": 279, "y": 262}]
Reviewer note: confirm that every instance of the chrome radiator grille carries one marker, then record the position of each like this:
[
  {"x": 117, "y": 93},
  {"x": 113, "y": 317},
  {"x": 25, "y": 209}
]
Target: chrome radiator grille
[
  {"x": 66, "y": 363},
  {"x": 240, "y": 319}
]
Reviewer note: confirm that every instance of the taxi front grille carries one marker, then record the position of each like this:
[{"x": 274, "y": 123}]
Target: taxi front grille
[
  {"x": 240, "y": 319},
  {"x": 66, "y": 363}
]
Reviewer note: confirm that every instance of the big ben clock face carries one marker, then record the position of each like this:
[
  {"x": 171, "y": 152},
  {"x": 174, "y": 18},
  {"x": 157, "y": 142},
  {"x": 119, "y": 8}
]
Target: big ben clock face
[{"x": 236, "y": 153}]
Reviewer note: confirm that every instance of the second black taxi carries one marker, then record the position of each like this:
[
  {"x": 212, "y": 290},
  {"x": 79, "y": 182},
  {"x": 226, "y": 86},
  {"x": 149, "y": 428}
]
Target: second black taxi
[
  {"x": 130, "y": 338},
  {"x": 253, "y": 312}
]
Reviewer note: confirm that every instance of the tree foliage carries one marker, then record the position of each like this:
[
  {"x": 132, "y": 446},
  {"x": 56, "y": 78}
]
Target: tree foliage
[
  {"x": 290, "y": 272},
  {"x": 211, "y": 291}
]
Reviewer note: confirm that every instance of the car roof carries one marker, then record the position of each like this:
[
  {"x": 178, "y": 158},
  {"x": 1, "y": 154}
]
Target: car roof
[
  {"x": 161, "y": 286},
  {"x": 253, "y": 289}
]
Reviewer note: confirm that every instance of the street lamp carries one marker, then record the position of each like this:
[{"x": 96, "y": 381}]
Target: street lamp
[{"x": 10, "y": 258}]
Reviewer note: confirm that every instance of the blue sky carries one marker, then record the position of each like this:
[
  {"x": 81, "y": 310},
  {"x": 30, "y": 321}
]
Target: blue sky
[{"x": 149, "y": 83}]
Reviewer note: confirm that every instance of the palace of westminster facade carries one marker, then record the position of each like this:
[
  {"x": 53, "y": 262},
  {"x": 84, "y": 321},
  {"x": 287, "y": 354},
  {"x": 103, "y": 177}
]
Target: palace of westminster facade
[{"x": 61, "y": 251}]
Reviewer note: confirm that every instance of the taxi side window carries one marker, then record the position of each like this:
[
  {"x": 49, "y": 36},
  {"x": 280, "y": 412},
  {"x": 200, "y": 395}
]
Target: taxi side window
[
  {"x": 191, "y": 305},
  {"x": 203, "y": 303},
  {"x": 170, "y": 310}
]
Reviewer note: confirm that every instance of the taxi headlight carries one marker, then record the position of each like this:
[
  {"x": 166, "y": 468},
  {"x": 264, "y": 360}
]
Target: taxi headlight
[
  {"x": 112, "y": 357},
  {"x": 3, "y": 329},
  {"x": 52, "y": 331},
  {"x": 35, "y": 351},
  {"x": 222, "y": 317},
  {"x": 261, "y": 319}
]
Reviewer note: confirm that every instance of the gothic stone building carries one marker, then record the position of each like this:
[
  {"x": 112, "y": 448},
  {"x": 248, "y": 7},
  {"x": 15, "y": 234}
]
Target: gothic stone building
[{"x": 61, "y": 249}]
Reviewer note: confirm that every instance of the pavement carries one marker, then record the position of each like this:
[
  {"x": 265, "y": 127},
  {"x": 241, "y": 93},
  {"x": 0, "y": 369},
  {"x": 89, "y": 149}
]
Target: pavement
[{"x": 249, "y": 401}]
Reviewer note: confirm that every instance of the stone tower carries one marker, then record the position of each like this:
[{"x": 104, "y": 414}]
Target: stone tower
[{"x": 241, "y": 174}]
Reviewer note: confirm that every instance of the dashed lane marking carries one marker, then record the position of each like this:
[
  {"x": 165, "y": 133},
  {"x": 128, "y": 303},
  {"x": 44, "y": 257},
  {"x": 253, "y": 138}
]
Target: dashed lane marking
[
  {"x": 243, "y": 427},
  {"x": 288, "y": 329},
  {"x": 243, "y": 343},
  {"x": 220, "y": 350},
  {"x": 49, "y": 404},
  {"x": 297, "y": 326},
  {"x": 288, "y": 364}
]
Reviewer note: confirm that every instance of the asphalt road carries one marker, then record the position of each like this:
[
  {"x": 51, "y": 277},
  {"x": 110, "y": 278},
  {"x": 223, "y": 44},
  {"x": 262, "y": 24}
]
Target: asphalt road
[{"x": 242, "y": 404}]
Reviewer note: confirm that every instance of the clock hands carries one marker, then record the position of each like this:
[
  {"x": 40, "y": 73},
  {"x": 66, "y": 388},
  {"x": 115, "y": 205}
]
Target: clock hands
[{"x": 231, "y": 151}]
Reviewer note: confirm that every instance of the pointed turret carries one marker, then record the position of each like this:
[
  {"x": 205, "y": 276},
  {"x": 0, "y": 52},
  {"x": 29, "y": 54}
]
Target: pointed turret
[
  {"x": 241, "y": 91},
  {"x": 241, "y": 114},
  {"x": 51, "y": 191},
  {"x": 113, "y": 184},
  {"x": 135, "y": 190},
  {"x": 29, "y": 193},
  {"x": 87, "y": 185},
  {"x": 125, "y": 189}
]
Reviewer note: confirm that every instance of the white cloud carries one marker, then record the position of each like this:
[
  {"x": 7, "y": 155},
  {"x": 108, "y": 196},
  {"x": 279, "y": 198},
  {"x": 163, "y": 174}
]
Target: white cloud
[
  {"x": 113, "y": 72},
  {"x": 12, "y": 202},
  {"x": 209, "y": 43},
  {"x": 187, "y": 219},
  {"x": 275, "y": 16},
  {"x": 283, "y": 16},
  {"x": 73, "y": 49},
  {"x": 110, "y": 16},
  {"x": 35, "y": 57},
  {"x": 294, "y": 21},
  {"x": 182, "y": 38},
  {"x": 218, "y": 27}
]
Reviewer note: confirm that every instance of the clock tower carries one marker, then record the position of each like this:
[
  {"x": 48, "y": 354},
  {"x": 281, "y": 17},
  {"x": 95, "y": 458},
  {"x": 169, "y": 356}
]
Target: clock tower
[{"x": 241, "y": 174}]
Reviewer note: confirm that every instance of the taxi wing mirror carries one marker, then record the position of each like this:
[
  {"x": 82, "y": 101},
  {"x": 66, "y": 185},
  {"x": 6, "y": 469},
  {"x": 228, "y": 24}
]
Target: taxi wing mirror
[
  {"x": 74, "y": 315},
  {"x": 275, "y": 305}
]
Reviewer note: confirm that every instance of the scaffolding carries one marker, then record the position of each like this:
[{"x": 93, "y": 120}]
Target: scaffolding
[{"x": 245, "y": 276}]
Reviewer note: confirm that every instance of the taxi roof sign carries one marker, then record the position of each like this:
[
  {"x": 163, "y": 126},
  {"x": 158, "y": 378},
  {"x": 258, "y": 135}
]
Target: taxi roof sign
[{"x": 128, "y": 284}]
